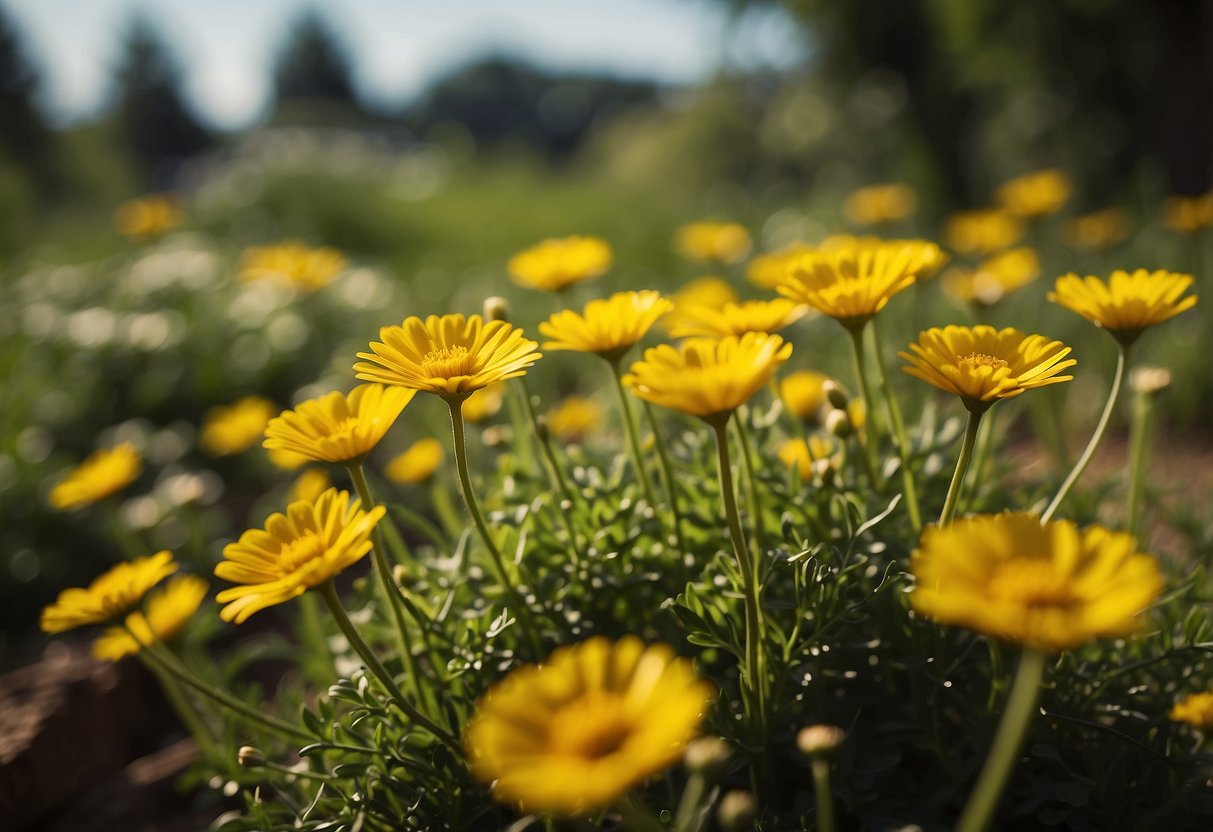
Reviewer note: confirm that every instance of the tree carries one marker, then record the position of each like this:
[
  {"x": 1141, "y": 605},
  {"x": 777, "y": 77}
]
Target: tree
[
  {"x": 314, "y": 69},
  {"x": 24, "y": 137}
]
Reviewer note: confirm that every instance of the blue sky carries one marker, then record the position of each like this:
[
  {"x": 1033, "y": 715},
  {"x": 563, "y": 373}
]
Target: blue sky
[{"x": 226, "y": 48}]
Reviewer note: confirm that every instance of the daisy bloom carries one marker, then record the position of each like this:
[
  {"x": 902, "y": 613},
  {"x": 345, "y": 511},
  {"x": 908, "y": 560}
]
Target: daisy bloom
[
  {"x": 556, "y": 264},
  {"x": 113, "y": 594},
  {"x": 1096, "y": 230},
  {"x": 1195, "y": 709},
  {"x": 309, "y": 486},
  {"x": 450, "y": 356},
  {"x": 738, "y": 318},
  {"x": 880, "y": 204},
  {"x": 854, "y": 283},
  {"x": 167, "y": 611},
  {"x": 1036, "y": 194},
  {"x": 484, "y": 403},
  {"x": 573, "y": 734},
  {"x": 286, "y": 460},
  {"x": 417, "y": 464},
  {"x": 707, "y": 377},
  {"x": 101, "y": 474},
  {"x": 715, "y": 242},
  {"x": 294, "y": 264},
  {"x": 1188, "y": 214},
  {"x": 1127, "y": 303},
  {"x": 983, "y": 231},
  {"x": 1052, "y": 587},
  {"x": 234, "y": 428},
  {"x": 303, "y": 548},
  {"x": 982, "y": 364},
  {"x": 994, "y": 278},
  {"x": 801, "y": 454},
  {"x": 713, "y": 292},
  {"x": 804, "y": 394},
  {"x": 149, "y": 216},
  {"x": 767, "y": 270},
  {"x": 574, "y": 418},
  {"x": 608, "y": 327},
  {"x": 338, "y": 427}
]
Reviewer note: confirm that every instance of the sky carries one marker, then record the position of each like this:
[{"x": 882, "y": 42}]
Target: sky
[{"x": 226, "y": 48}]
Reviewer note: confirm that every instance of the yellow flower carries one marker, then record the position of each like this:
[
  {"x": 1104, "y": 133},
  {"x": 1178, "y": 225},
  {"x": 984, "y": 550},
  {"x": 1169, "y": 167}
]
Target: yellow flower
[
  {"x": 556, "y": 264},
  {"x": 801, "y": 455},
  {"x": 1099, "y": 229},
  {"x": 982, "y": 364},
  {"x": 994, "y": 278},
  {"x": 292, "y": 263},
  {"x": 1188, "y": 213},
  {"x": 767, "y": 270},
  {"x": 110, "y": 596},
  {"x": 879, "y": 204},
  {"x": 711, "y": 292},
  {"x": 573, "y": 418},
  {"x": 1196, "y": 709},
  {"x": 286, "y": 460},
  {"x": 853, "y": 284},
  {"x": 102, "y": 473},
  {"x": 803, "y": 392},
  {"x": 1129, "y": 302},
  {"x": 484, "y": 403},
  {"x": 1036, "y": 194},
  {"x": 1051, "y": 587},
  {"x": 309, "y": 486},
  {"x": 606, "y": 327},
  {"x": 168, "y": 611},
  {"x": 303, "y": 548},
  {"x": 738, "y": 318},
  {"x": 715, "y": 242},
  {"x": 576, "y": 732},
  {"x": 231, "y": 429},
  {"x": 149, "y": 216},
  {"x": 857, "y": 413},
  {"x": 337, "y": 427},
  {"x": 982, "y": 232},
  {"x": 707, "y": 377},
  {"x": 450, "y": 356},
  {"x": 417, "y": 464}
]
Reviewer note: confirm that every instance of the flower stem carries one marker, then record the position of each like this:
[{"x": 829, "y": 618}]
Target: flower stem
[
  {"x": 1122, "y": 356},
  {"x": 1139, "y": 447},
  {"x": 866, "y": 438},
  {"x": 637, "y": 817},
  {"x": 747, "y": 466},
  {"x": 387, "y": 587},
  {"x": 554, "y": 471},
  {"x": 962, "y": 465},
  {"x": 899, "y": 431},
  {"x": 329, "y": 592},
  {"x": 190, "y": 718},
  {"x": 625, "y": 412},
  {"x": 1016, "y": 717},
  {"x": 473, "y": 506},
  {"x": 667, "y": 476},
  {"x": 821, "y": 790}
]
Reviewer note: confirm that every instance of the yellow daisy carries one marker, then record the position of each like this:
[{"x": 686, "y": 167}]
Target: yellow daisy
[
  {"x": 767, "y": 270},
  {"x": 337, "y": 427},
  {"x": 1127, "y": 303},
  {"x": 880, "y": 204},
  {"x": 803, "y": 393},
  {"x": 149, "y": 216},
  {"x": 231, "y": 429},
  {"x": 309, "y": 486},
  {"x": 707, "y": 377},
  {"x": 854, "y": 283},
  {"x": 606, "y": 327},
  {"x": 994, "y": 278},
  {"x": 102, "y": 473},
  {"x": 556, "y": 264},
  {"x": 1097, "y": 230},
  {"x": 715, "y": 242},
  {"x": 1052, "y": 587},
  {"x": 303, "y": 548},
  {"x": 1036, "y": 194},
  {"x": 417, "y": 464},
  {"x": 574, "y": 418},
  {"x": 168, "y": 611},
  {"x": 983, "y": 231},
  {"x": 713, "y": 292},
  {"x": 801, "y": 454},
  {"x": 450, "y": 356},
  {"x": 982, "y": 364},
  {"x": 1196, "y": 709},
  {"x": 1188, "y": 214},
  {"x": 286, "y": 460},
  {"x": 292, "y": 263},
  {"x": 110, "y": 596},
  {"x": 738, "y": 318},
  {"x": 576, "y": 732}
]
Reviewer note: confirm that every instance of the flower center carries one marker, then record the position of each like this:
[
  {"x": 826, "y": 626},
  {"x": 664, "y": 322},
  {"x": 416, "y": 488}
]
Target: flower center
[
  {"x": 447, "y": 362},
  {"x": 592, "y": 727},
  {"x": 300, "y": 551},
  {"x": 1032, "y": 584},
  {"x": 980, "y": 359}
]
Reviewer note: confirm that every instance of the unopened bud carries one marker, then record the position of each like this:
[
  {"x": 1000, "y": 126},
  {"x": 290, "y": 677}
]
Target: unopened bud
[
  {"x": 835, "y": 395},
  {"x": 736, "y": 811},
  {"x": 249, "y": 756},
  {"x": 1149, "y": 379},
  {"x": 824, "y": 470},
  {"x": 820, "y": 740},
  {"x": 708, "y": 756},
  {"x": 839, "y": 424},
  {"x": 496, "y": 309},
  {"x": 496, "y": 436},
  {"x": 399, "y": 574}
]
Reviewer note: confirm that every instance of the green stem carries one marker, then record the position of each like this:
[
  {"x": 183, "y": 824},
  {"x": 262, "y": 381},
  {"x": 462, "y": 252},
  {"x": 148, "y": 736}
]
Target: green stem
[
  {"x": 625, "y": 411},
  {"x": 329, "y": 593},
  {"x": 667, "y": 477},
  {"x": 184, "y": 708},
  {"x": 962, "y": 465},
  {"x": 554, "y": 471},
  {"x": 637, "y": 817},
  {"x": 747, "y": 466},
  {"x": 867, "y": 437},
  {"x": 1139, "y": 446},
  {"x": 690, "y": 805},
  {"x": 899, "y": 431},
  {"x": 1016, "y": 717},
  {"x": 1105, "y": 418},
  {"x": 522, "y": 436},
  {"x": 473, "y": 506},
  {"x": 389, "y": 593},
  {"x": 821, "y": 790}
]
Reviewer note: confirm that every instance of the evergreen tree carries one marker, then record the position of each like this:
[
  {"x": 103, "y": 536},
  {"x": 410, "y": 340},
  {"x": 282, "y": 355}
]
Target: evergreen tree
[
  {"x": 24, "y": 137},
  {"x": 314, "y": 67}
]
